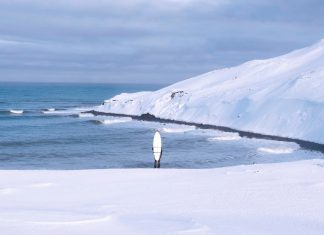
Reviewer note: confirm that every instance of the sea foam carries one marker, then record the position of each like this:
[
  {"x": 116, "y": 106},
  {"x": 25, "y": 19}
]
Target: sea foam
[
  {"x": 276, "y": 150},
  {"x": 16, "y": 111},
  {"x": 225, "y": 137},
  {"x": 178, "y": 129},
  {"x": 115, "y": 120}
]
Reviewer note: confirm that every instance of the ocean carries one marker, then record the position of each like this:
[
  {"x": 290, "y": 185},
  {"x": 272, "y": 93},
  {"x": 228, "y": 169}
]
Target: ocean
[{"x": 52, "y": 134}]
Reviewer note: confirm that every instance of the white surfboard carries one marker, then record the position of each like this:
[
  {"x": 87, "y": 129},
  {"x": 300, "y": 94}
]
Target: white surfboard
[{"x": 157, "y": 146}]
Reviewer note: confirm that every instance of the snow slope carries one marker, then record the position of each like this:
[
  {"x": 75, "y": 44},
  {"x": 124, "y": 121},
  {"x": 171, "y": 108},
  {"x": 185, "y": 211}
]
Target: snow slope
[
  {"x": 281, "y": 198},
  {"x": 280, "y": 96}
]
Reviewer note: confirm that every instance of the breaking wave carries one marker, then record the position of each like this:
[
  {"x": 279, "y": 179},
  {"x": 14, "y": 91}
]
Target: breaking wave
[
  {"x": 115, "y": 120},
  {"x": 47, "y": 111},
  {"x": 85, "y": 115},
  {"x": 16, "y": 111},
  {"x": 67, "y": 112},
  {"x": 276, "y": 150},
  {"x": 225, "y": 137},
  {"x": 178, "y": 129}
]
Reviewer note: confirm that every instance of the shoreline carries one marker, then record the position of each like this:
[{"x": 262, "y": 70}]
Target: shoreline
[{"x": 305, "y": 144}]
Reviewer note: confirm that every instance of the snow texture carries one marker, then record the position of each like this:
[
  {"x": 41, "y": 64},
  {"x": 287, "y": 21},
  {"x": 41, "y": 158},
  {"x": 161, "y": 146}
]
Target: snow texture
[
  {"x": 280, "y": 96},
  {"x": 281, "y": 198}
]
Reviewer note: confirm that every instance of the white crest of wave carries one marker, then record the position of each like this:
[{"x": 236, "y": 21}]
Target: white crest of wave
[
  {"x": 85, "y": 115},
  {"x": 16, "y": 111},
  {"x": 277, "y": 150},
  {"x": 178, "y": 129},
  {"x": 225, "y": 137},
  {"x": 116, "y": 120},
  {"x": 49, "y": 110},
  {"x": 71, "y": 111}
]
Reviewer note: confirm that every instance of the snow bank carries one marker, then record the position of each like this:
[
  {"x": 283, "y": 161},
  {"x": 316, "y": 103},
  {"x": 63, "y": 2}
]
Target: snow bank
[
  {"x": 282, "y": 198},
  {"x": 281, "y": 96}
]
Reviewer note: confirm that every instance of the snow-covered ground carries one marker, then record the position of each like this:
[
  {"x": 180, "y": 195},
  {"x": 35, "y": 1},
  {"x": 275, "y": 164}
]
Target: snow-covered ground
[
  {"x": 281, "y": 198},
  {"x": 281, "y": 96}
]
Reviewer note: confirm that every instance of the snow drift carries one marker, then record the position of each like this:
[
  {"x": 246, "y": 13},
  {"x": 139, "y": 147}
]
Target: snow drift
[
  {"x": 281, "y": 96},
  {"x": 281, "y": 198}
]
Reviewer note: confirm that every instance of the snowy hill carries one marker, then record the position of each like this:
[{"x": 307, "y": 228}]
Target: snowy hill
[{"x": 281, "y": 96}]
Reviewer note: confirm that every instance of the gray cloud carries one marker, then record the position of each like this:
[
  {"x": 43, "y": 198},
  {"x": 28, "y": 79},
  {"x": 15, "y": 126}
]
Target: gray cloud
[{"x": 142, "y": 41}]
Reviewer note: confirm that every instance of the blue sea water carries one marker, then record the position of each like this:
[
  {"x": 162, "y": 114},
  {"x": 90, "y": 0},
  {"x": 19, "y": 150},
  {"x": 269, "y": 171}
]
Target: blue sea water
[{"x": 37, "y": 140}]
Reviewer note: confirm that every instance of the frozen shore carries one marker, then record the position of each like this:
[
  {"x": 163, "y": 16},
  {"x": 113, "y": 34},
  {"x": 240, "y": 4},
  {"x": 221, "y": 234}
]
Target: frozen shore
[
  {"x": 151, "y": 118},
  {"x": 281, "y": 198}
]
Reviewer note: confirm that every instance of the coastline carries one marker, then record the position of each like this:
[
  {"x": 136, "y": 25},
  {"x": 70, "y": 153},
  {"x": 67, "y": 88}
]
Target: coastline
[{"x": 308, "y": 145}]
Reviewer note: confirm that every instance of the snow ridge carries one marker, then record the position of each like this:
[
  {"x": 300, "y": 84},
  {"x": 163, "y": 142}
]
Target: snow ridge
[{"x": 280, "y": 96}]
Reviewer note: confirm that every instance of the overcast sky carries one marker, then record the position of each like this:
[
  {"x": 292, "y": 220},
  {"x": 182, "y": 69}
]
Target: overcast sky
[{"x": 147, "y": 41}]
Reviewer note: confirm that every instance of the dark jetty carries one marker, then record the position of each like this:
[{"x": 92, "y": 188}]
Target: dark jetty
[{"x": 309, "y": 145}]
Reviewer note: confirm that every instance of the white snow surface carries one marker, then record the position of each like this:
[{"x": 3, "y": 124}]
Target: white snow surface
[
  {"x": 280, "y": 96},
  {"x": 281, "y": 198}
]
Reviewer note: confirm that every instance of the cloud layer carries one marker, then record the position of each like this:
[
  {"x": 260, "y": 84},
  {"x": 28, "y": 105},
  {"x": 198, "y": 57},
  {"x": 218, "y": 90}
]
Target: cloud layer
[{"x": 145, "y": 41}]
